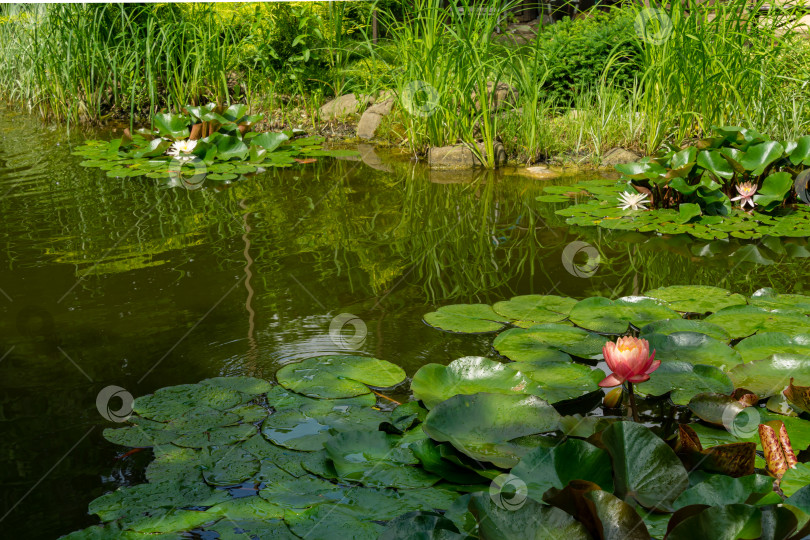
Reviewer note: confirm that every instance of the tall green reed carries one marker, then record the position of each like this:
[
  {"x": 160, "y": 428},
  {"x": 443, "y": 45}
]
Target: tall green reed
[{"x": 707, "y": 64}]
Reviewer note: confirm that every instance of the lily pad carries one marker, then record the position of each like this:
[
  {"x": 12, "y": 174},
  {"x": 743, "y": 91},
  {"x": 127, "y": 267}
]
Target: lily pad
[
  {"x": 646, "y": 468},
  {"x": 535, "y": 308},
  {"x": 765, "y": 344},
  {"x": 770, "y": 299},
  {"x": 339, "y": 376},
  {"x": 670, "y": 326},
  {"x": 546, "y": 468},
  {"x": 466, "y": 319},
  {"x": 522, "y": 344},
  {"x": 170, "y": 402},
  {"x": 602, "y": 315},
  {"x": 486, "y": 426},
  {"x": 771, "y": 375},
  {"x": 685, "y": 380},
  {"x": 719, "y": 489},
  {"x": 434, "y": 383},
  {"x": 743, "y": 321},
  {"x": 307, "y": 427},
  {"x": 696, "y": 298},
  {"x": 727, "y": 522},
  {"x": 743, "y": 428},
  {"x": 693, "y": 348},
  {"x": 231, "y": 467},
  {"x": 530, "y": 521},
  {"x": 374, "y": 458},
  {"x": 552, "y": 381}
]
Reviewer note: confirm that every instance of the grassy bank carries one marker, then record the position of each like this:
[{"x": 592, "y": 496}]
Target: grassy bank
[{"x": 627, "y": 77}]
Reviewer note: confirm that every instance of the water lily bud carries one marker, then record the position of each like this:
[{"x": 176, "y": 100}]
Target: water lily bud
[{"x": 613, "y": 399}]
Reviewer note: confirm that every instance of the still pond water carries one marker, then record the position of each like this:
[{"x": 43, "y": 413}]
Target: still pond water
[{"x": 132, "y": 283}]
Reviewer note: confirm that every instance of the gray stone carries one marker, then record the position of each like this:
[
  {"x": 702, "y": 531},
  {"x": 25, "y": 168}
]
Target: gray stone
[
  {"x": 539, "y": 172},
  {"x": 370, "y": 121},
  {"x": 459, "y": 156},
  {"x": 342, "y": 106},
  {"x": 618, "y": 156}
]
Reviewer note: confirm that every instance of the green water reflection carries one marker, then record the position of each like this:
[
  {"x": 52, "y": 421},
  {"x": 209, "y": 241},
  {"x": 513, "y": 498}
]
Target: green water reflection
[{"x": 127, "y": 282}]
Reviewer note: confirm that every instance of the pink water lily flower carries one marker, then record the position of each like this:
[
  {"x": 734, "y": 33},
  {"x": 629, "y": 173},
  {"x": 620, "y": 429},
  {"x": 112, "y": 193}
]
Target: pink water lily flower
[
  {"x": 630, "y": 360},
  {"x": 746, "y": 191}
]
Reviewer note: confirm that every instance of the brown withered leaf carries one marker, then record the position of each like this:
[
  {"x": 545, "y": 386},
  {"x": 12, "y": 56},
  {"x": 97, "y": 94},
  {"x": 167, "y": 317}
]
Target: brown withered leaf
[
  {"x": 571, "y": 498},
  {"x": 196, "y": 132},
  {"x": 798, "y": 396},
  {"x": 745, "y": 397},
  {"x": 688, "y": 440},
  {"x": 735, "y": 459}
]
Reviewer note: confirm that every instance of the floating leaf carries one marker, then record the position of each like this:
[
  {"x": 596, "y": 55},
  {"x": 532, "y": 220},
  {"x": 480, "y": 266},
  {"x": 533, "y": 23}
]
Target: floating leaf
[
  {"x": 434, "y": 383},
  {"x": 486, "y": 426},
  {"x": 613, "y": 317},
  {"x": 645, "y": 467},
  {"x": 545, "y": 468},
  {"x": 696, "y": 298},
  {"x": 375, "y": 459},
  {"x": 685, "y": 380},
  {"x": 718, "y": 490},
  {"x": 670, "y": 326},
  {"x": 231, "y": 467},
  {"x": 466, "y": 318},
  {"x": 535, "y": 308},
  {"x": 532, "y": 521},
  {"x": 765, "y": 344},
  {"x": 168, "y": 403},
  {"x": 693, "y": 348},
  {"x": 771, "y": 375},
  {"x": 727, "y": 522},
  {"x": 308, "y": 426},
  {"x": 339, "y": 376},
  {"x": 521, "y": 344},
  {"x": 743, "y": 321}
]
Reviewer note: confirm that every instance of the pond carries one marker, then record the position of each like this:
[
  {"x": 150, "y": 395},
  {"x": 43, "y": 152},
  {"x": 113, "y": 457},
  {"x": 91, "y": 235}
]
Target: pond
[{"x": 131, "y": 283}]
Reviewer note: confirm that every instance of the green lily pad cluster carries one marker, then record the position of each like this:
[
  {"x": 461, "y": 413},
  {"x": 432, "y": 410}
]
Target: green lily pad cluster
[
  {"x": 597, "y": 203},
  {"x": 708, "y": 339},
  {"x": 699, "y": 178},
  {"x": 490, "y": 448},
  {"x": 215, "y": 143}
]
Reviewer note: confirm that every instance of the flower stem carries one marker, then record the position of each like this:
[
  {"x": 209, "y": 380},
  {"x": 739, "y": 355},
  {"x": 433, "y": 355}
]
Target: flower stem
[{"x": 633, "y": 408}]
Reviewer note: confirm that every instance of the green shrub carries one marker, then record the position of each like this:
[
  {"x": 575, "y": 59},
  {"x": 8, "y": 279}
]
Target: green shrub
[{"x": 576, "y": 52}]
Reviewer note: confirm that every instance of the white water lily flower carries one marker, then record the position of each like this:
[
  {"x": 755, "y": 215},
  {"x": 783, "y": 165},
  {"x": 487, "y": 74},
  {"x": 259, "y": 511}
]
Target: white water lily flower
[
  {"x": 633, "y": 201},
  {"x": 181, "y": 147},
  {"x": 747, "y": 190}
]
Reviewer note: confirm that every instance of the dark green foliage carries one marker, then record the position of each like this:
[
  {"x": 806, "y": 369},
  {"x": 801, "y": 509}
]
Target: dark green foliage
[{"x": 577, "y": 51}]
